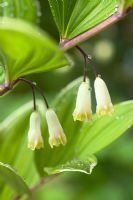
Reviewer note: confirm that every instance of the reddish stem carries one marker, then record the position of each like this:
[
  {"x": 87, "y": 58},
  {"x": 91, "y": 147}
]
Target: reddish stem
[{"x": 66, "y": 43}]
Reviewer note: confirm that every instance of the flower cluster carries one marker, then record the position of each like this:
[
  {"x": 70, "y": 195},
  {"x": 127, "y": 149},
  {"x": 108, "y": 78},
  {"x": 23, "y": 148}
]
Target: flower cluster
[
  {"x": 83, "y": 109},
  {"x": 56, "y": 133},
  {"x": 82, "y": 112}
]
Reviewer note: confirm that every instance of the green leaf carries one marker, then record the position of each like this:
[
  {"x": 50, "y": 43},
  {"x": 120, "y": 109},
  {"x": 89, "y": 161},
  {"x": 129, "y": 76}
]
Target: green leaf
[
  {"x": 25, "y": 49},
  {"x": 77, "y": 16},
  {"x": 85, "y": 166},
  {"x": 24, "y": 9},
  {"x": 105, "y": 130},
  {"x": 84, "y": 139},
  {"x": 13, "y": 149},
  {"x": 13, "y": 179}
]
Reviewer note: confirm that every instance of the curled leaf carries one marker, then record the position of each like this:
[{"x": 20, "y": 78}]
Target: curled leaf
[{"x": 76, "y": 165}]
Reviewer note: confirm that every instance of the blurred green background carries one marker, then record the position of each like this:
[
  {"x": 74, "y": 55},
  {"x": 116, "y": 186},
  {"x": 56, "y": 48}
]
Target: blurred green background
[{"x": 112, "y": 51}]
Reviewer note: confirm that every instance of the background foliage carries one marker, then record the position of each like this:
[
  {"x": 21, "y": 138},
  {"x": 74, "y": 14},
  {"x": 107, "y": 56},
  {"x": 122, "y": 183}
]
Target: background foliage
[{"x": 112, "y": 178}]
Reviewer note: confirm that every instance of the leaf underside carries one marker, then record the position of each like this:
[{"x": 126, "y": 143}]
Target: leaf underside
[
  {"x": 28, "y": 10},
  {"x": 85, "y": 166},
  {"x": 13, "y": 179},
  {"x": 25, "y": 49}
]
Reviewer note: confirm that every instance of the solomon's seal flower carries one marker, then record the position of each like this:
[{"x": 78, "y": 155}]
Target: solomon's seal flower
[
  {"x": 83, "y": 103},
  {"x": 35, "y": 140},
  {"x": 56, "y": 133},
  {"x": 104, "y": 104}
]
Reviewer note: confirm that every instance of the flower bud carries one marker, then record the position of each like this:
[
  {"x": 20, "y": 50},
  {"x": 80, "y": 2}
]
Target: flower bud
[
  {"x": 35, "y": 140},
  {"x": 104, "y": 104},
  {"x": 56, "y": 133},
  {"x": 83, "y": 103}
]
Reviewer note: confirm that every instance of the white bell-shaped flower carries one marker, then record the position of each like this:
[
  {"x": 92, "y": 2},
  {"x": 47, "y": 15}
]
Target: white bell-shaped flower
[
  {"x": 35, "y": 140},
  {"x": 83, "y": 109},
  {"x": 56, "y": 133},
  {"x": 104, "y": 104}
]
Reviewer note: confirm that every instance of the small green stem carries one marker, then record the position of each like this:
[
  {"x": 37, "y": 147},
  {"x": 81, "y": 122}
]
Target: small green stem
[
  {"x": 37, "y": 88},
  {"x": 5, "y": 88},
  {"x": 33, "y": 91},
  {"x": 89, "y": 59}
]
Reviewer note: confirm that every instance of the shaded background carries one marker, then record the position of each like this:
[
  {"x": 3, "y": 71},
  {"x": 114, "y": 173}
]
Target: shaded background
[{"x": 112, "y": 51}]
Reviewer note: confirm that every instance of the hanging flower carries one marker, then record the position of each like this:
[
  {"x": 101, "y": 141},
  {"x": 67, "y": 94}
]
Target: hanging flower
[
  {"x": 56, "y": 133},
  {"x": 104, "y": 104},
  {"x": 35, "y": 140},
  {"x": 83, "y": 103}
]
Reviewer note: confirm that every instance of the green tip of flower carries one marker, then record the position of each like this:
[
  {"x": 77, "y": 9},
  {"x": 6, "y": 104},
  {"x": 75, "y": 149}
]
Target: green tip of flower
[
  {"x": 57, "y": 141},
  {"x": 101, "y": 111},
  {"x": 82, "y": 116},
  {"x": 35, "y": 145}
]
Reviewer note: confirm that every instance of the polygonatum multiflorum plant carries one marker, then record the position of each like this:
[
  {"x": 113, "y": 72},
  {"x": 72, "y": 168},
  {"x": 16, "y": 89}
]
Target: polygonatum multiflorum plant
[{"x": 66, "y": 131}]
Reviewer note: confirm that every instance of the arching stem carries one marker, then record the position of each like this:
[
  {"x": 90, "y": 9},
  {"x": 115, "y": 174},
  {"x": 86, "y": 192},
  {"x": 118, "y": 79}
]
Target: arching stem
[
  {"x": 88, "y": 58},
  {"x": 34, "y": 86},
  {"x": 5, "y": 88}
]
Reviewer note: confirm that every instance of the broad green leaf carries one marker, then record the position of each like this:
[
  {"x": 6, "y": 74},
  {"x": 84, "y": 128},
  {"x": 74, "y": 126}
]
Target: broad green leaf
[
  {"x": 105, "y": 130},
  {"x": 14, "y": 151},
  {"x": 13, "y": 179},
  {"x": 85, "y": 166},
  {"x": 2, "y": 77},
  {"x": 84, "y": 139},
  {"x": 77, "y": 16},
  {"x": 25, "y": 49},
  {"x": 24, "y": 9}
]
